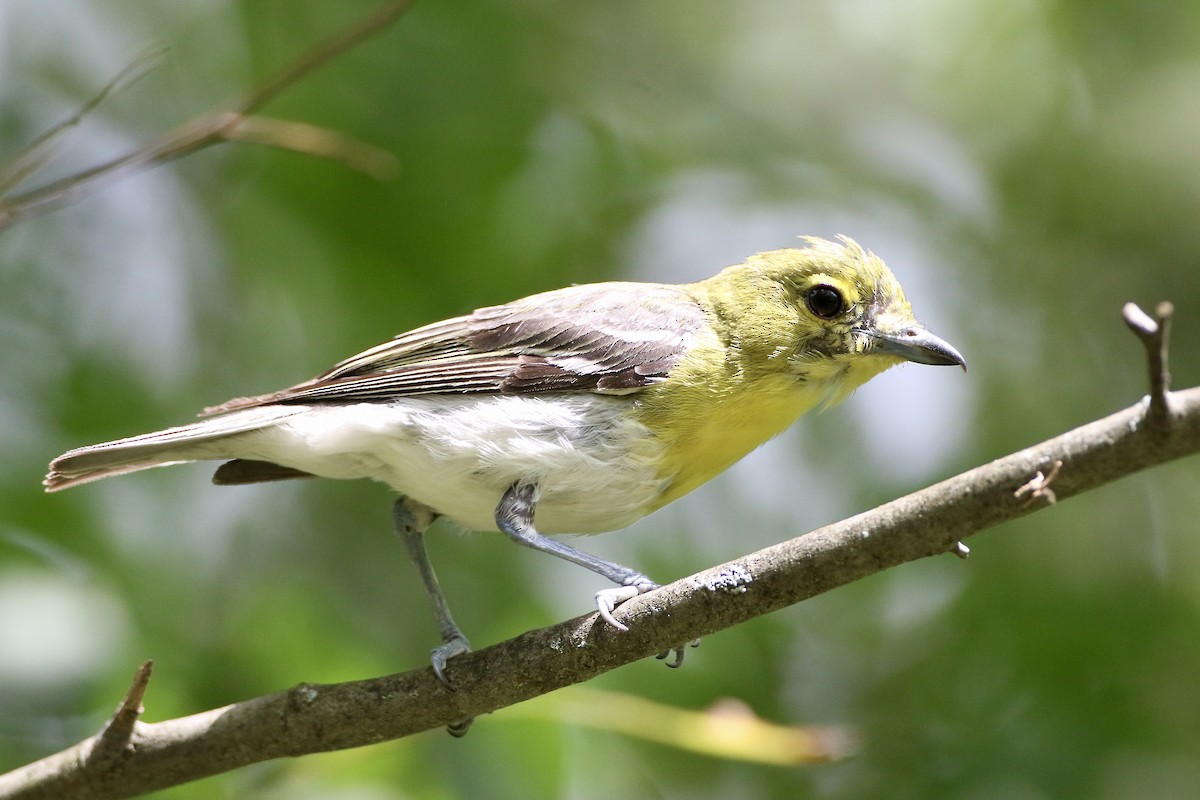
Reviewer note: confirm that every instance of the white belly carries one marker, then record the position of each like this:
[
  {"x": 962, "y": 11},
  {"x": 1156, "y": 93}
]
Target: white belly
[{"x": 458, "y": 455}]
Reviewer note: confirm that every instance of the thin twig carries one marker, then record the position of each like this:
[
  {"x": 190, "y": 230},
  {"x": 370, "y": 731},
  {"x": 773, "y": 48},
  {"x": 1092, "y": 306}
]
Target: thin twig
[
  {"x": 46, "y": 147},
  {"x": 318, "y": 56},
  {"x": 1154, "y": 335},
  {"x": 314, "y": 141},
  {"x": 115, "y": 739},
  {"x": 1039, "y": 485},
  {"x": 199, "y": 132}
]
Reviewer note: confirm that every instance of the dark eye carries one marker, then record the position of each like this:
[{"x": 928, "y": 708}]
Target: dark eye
[{"x": 825, "y": 301}]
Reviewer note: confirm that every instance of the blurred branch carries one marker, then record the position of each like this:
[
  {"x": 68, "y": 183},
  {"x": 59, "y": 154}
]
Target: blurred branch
[
  {"x": 232, "y": 122},
  {"x": 315, "y": 718},
  {"x": 45, "y": 148},
  {"x": 728, "y": 729},
  {"x": 304, "y": 138}
]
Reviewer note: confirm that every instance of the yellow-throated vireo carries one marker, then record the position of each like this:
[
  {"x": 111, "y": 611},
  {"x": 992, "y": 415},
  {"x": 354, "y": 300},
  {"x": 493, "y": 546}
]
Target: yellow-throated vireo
[{"x": 574, "y": 411}]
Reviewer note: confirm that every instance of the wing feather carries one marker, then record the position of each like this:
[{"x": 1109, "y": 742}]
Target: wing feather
[{"x": 612, "y": 338}]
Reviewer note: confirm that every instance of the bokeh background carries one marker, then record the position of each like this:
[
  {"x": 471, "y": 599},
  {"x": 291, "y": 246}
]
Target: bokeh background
[{"x": 1025, "y": 167}]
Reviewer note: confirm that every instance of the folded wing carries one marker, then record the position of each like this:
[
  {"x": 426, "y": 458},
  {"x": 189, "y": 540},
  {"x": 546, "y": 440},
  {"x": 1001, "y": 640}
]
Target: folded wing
[{"x": 612, "y": 338}]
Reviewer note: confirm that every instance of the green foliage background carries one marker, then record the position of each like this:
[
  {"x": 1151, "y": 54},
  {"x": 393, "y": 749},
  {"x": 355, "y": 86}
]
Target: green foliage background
[{"x": 1025, "y": 167}]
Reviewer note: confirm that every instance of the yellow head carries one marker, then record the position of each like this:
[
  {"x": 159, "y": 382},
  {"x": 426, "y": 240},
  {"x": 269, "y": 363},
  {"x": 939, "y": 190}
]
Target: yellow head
[
  {"x": 790, "y": 330},
  {"x": 831, "y": 314}
]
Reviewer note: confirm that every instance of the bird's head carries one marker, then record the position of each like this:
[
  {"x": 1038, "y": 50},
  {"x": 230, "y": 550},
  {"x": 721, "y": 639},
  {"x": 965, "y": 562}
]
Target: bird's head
[{"x": 832, "y": 311}]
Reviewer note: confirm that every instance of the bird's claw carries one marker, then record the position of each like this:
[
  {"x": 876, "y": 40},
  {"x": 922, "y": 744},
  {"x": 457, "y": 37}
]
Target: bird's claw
[
  {"x": 677, "y": 661},
  {"x": 459, "y": 729},
  {"x": 609, "y": 599},
  {"x": 455, "y": 646}
]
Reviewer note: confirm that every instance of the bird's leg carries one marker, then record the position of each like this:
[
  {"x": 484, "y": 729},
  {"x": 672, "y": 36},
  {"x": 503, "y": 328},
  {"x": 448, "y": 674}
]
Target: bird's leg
[
  {"x": 411, "y": 519},
  {"x": 514, "y": 516}
]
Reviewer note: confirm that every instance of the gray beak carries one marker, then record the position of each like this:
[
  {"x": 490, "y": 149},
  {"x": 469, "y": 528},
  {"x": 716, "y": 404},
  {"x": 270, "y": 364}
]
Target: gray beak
[{"x": 916, "y": 344}]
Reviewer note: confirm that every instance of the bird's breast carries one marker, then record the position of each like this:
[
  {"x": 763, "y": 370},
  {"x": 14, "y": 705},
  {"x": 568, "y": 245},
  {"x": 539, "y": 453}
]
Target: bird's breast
[{"x": 708, "y": 430}]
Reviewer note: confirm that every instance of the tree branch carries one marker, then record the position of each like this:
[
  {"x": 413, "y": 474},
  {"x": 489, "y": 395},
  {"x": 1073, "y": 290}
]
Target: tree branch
[
  {"x": 204, "y": 130},
  {"x": 312, "y": 718}
]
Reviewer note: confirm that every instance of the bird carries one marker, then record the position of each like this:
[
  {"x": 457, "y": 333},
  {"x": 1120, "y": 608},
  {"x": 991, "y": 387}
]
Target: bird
[{"x": 573, "y": 411}]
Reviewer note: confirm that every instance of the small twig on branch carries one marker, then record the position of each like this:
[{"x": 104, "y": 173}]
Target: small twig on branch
[
  {"x": 1039, "y": 485},
  {"x": 215, "y": 127},
  {"x": 115, "y": 739},
  {"x": 316, "y": 718},
  {"x": 1155, "y": 337},
  {"x": 304, "y": 138}
]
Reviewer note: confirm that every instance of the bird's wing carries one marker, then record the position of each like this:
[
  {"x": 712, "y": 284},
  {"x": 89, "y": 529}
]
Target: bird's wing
[{"x": 612, "y": 338}]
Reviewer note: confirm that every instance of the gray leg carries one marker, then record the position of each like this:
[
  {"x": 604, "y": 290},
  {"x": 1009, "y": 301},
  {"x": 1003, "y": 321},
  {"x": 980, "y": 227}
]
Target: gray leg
[
  {"x": 411, "y": 520},
  {"x": 514, "y": 516}
]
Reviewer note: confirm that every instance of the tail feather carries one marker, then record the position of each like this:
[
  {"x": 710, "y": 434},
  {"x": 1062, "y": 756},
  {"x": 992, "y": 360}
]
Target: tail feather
[{"x": 199, "y": 441}]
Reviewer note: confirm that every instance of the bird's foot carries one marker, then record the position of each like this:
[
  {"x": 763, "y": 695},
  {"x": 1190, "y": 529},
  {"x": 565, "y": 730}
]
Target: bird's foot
[
  {"x": 454, "y": 646},
  {"x": 677, "y": 661},
  {"x": 609, "y": 599}
]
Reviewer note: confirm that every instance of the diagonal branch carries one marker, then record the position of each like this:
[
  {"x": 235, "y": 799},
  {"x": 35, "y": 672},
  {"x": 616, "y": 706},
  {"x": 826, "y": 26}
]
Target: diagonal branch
[
  {"x": 204, "y": 130},
  {"x": 322, "y": 54},
  {"x": 313, "y": 718}
]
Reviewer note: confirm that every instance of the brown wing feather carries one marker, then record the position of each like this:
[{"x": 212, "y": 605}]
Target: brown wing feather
[{"x": 610, "y": 338}]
